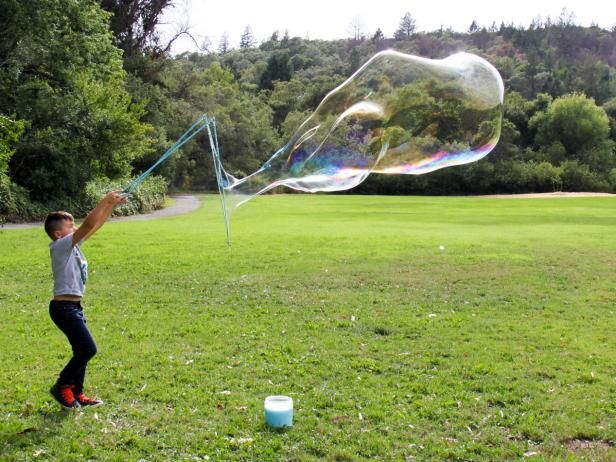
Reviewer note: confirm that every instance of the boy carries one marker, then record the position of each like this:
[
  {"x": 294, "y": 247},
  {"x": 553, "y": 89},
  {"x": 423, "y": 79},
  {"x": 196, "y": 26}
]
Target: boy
[{"x": 70, "y": 271}]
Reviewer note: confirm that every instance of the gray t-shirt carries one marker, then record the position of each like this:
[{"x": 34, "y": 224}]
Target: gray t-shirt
[{"x": 69, "y": 266}]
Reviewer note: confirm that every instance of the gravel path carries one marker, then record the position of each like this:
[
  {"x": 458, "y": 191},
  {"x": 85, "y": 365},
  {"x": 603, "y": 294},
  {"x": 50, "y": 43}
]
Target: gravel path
[
  {"x": 183, "y": 204},
  {"x": 548, "y": 195}
]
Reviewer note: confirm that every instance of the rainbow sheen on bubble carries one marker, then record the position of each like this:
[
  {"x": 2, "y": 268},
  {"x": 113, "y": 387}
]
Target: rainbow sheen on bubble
[{"x": 398, "y": 114}]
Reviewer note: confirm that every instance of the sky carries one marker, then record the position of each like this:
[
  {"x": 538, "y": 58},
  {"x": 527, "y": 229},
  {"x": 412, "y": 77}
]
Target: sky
[{"x": 331, "y": 19}]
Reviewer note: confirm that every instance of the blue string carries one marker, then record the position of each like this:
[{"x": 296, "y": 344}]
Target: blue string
[
  {"x": 185, "y": 138},
  {"x": 202, "y": 122},
  {"x": 211, "y": 131}
]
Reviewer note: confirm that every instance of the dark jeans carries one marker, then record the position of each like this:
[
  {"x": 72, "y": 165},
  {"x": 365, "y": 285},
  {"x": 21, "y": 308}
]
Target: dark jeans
[{"x": 69, "y": 317}]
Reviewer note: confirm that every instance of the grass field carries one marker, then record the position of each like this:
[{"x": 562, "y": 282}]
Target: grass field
[{"x": 500, "y": 346}]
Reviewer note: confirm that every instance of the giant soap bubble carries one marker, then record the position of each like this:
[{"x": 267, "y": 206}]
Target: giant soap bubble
[{"x": 398, "y": 114}]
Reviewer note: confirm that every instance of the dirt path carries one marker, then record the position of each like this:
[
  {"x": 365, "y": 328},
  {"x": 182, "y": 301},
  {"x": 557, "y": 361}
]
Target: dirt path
[
  {"x": 183, "y": 204},
  {"x": 549, "y": 195}
]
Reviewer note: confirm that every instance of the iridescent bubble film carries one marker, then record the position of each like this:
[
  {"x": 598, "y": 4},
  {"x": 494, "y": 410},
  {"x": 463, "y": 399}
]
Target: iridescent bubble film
[{"x": 398, "y": 114}]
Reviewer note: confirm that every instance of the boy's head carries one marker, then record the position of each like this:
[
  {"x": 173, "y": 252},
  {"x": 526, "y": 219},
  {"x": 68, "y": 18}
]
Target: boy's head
[{"x": 59, "y": 224}]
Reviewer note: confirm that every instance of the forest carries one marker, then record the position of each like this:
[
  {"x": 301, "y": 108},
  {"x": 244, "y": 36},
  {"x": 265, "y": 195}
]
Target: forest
[{"x": 91, "y": 96}]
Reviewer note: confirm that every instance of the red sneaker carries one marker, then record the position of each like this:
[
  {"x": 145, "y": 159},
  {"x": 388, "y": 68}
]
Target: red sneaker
[
  {"x": 63, "y": 394},
  {"x": 84, "y": 400}
]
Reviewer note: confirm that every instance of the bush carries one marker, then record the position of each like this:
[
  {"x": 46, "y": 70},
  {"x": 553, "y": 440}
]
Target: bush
[
  {"x": 578, "y": 177},
  {"x": 149, "y": 196},
  {"x": 544, "y": 177},
  {"x": 16, "y": 206},
  {"x": 10, "y": 131},
  {"x": 612, "y": 180}
]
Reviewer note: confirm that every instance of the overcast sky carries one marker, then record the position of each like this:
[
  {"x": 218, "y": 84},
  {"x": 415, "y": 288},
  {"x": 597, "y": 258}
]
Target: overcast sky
[{"x": 330, "y": 19}]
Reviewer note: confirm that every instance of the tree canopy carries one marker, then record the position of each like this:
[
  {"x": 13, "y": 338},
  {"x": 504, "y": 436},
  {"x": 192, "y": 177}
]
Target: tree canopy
[{"x": 134, "y": 22}]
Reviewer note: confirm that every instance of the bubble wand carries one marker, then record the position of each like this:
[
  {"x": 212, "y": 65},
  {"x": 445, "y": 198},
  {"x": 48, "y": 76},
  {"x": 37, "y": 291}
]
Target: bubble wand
[
  {"x": 199, "y": 125},
  {"x": 203, "y": 122}
]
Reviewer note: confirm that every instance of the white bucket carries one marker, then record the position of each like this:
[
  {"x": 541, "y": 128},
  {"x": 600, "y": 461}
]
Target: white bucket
[{"x": 279, "y": 411}]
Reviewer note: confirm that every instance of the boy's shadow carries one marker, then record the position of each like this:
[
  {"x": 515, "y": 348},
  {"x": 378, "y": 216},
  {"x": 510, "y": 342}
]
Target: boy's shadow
[{"x": 31, "y": 427}]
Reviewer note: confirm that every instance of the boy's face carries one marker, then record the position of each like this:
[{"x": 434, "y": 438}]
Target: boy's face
[{"x": 68, "y": 227}]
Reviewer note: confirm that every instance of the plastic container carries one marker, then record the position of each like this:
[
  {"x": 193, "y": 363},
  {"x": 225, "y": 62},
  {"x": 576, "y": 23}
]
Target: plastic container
[{"x": 279, "y": 411}]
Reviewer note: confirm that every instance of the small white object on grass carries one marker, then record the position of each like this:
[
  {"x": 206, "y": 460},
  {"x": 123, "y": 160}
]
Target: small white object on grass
[{"x": 442, "y": 247}]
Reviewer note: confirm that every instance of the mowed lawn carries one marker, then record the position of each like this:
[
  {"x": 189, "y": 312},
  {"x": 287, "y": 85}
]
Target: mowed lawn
[{"x": 404, "y": 328}]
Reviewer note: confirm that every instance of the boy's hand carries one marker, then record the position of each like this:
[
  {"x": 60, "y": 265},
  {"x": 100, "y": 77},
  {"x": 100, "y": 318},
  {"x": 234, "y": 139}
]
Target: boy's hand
[
  {"x": 114, "y": 198},
  {"x": 98, "y": 216}
]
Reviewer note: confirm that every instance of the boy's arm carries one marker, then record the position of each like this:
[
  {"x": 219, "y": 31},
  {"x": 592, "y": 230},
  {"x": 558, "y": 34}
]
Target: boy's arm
[{"x": 98, "y": 216}]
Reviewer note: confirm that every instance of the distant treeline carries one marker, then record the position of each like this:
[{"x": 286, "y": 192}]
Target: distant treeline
[{"x": 90, "y": 96}]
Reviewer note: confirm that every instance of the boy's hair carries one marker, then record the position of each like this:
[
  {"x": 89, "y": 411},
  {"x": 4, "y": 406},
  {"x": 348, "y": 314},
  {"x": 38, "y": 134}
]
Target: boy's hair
[{"x": 55, "y": 221}]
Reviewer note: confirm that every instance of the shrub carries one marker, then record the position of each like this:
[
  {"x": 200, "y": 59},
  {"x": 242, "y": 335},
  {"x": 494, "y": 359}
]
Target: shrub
[
  {"x": 16, "y": 205},
  {"x": 578, "y": 177},
  {"x": 149, "y": 196},
  {"x": 612, "y": 180}
]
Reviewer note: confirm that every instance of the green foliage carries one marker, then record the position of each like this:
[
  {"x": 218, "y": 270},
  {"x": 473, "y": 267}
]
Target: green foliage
[
  {"x": 64, "y": 78},
  {"x": 149, "y": 196},
  {"x": 612, "y": 179},
  {"x": 248, "y": 39},
  {"x": 378, "y": 36},
  {"x": 134, "y": 23},
  {"x": 15, "y": 203},
  {"x": 244, "y": 122},
  {"x": 10, "y": 131},
  {"x": 610, "y": 109},
  {"x": 579, "y": 177},
  {"x": 114, "y": 127},
  {"x": 541, "y": 177},
  {"x": 285, "y": 97},
  {"x": 406, "y": 28},
  {"x": 17, "y": 206},
  {"x": 48, "y": 168},
  {"x": 278, "y": 68},
  {"x": 573, "y": 120}
]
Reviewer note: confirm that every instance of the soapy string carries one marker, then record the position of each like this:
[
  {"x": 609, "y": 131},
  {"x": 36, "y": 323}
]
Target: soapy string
[
  {"x": 199, "y": 125},
  {"x": 203, "y": 122}
]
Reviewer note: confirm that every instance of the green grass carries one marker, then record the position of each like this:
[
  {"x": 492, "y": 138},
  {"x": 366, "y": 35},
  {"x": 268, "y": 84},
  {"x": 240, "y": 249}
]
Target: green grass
[{"x": 499, "y": 347}]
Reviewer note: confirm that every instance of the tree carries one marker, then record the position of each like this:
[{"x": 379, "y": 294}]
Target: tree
[
  {"x": 243, "y": 120},
  {"x": 573, "y": 120},
  {"x": 272, "y": 43},
  {"x": 610, "y": 109},
  {"x": 578, "y": 177},
  {"x": 223, "y": 45},
  {"x": 134, "y": 22},
  {"x": 355, "y": 60},
  {"x": 206, "y": 45},
  {"x": 285, "y": 38},
  {"x": 247, "y": 40},
  {"x": 278, "y": 68},
  {"x": 285, "y": 98},
  {"x": 566, "y": 18},
  {"x": 473, "y": 27},
  {"x": 355, "y": 28},
  {"x": 378, "y": 36},
  {"x": 10, "y": 131},
  {"x": 64, "y": 78},
  {"x": 406, "y": 29}
]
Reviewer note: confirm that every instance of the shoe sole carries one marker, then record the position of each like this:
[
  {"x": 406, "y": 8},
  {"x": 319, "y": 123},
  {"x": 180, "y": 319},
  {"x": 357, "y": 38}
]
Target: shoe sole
[{"x": 91, "y": 405}]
